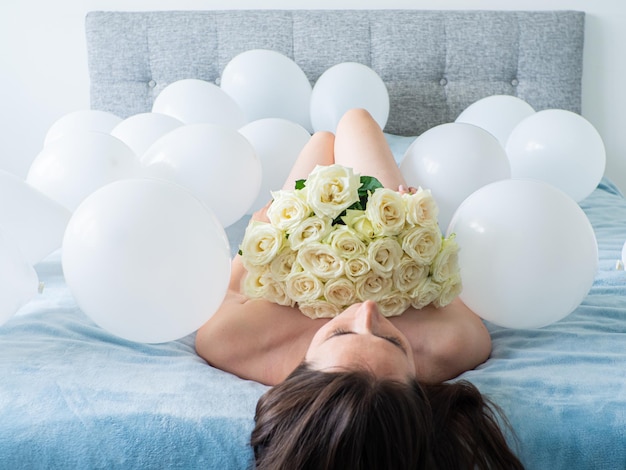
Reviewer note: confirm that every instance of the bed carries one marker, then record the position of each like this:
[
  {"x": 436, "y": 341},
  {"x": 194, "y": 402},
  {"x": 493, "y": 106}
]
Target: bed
[{"x": 73, "y": 395}]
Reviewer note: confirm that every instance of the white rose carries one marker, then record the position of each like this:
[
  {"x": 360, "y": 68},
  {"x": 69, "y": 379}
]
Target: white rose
[
  {"x": 393, "y": 304},
  {"x": 450, "y": 290},
  {"x": 303, "y": 287},
  {"x": 345, "y": 241},
  {"x": 385, "y": 208},
  {"x": 340, "y": 292},
  {"x": 275, "y": 292},
  {"x": 383, "y": 255},
  {"x": 261, "y": 243},
  {"x": 422, "y": 243},
  {"x": 446, "y": 263},
  {"x": 358, "y": 221},
  {"x": 426, "y": 292},
  {"x": 319, "y": 309},
  {"x": 287, "y": 209},
  {"x": 254, "y": 282},
  {"x": 332, "y": 189},
  {"x": 259, "y": 283},
  {"x": 321, "y": 260},
  {"x": 408, "y": 274},
  {"x": 356, "y": 267},
  {"x": 283, "y": 264},
  {"x": 373, "y": 286},
  {"x": 311, "y": 229},
  {"x": 421, "y": 208}
]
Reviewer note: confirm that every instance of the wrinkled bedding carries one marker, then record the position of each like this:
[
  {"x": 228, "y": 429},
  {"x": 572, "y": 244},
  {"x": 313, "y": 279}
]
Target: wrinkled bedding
[{"x": 74, "y": 396}]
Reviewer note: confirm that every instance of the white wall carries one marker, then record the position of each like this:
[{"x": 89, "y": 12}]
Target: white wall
[{"x": 43, "y": 62}]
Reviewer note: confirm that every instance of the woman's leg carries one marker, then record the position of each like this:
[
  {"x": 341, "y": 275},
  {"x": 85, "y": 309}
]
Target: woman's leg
[
  {"x": 319, "y": 150},
  {"x": 361, "y": 145}
]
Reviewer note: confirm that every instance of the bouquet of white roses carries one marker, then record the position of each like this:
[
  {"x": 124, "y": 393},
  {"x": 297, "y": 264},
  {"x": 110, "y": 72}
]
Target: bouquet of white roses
[{"x": 339, "y": 238}]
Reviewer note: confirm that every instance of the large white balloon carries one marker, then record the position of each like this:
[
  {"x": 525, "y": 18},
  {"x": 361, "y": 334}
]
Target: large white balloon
[
  {"x": 217, "y": 164},
  {"x": 195, "y": 101},
  {"x": 343, "y": 87},
  {"x": 82, "y": 120},
  {"x": 528, "y": 254},
  {"x": 146, "y": 260},
  {"x": 18, "y": 279},
  {"x": 141, "y": 130},
  {"x": 277, "y": 143},
  {"x": 32, "y": 219},
  {"x": 75, "y": 165},
  {"x": 498, "y": 114},
  {"x": 453, "y": 160},
  {"x": 559, "y": 147},
  {"x": 268, "y": 84}
]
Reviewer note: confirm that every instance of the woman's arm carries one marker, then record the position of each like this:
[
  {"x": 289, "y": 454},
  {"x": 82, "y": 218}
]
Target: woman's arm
[
  {"x": 263, "y": 341},
  {"x": 446, "y": 341},
  {"x": 255, "y": 339}
]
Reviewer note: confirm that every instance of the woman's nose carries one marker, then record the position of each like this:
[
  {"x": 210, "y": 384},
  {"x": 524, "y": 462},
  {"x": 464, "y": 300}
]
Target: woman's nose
[{"x": 367, "y": 317}]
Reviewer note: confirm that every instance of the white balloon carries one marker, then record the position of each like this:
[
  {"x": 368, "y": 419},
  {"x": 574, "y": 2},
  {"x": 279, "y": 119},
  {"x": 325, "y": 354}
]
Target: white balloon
[
  {"x": 17, "y": 277},
  {"x": 453, "y": 160},
  {"x": 559, "y": 147},
  {"x": 142, "y": 130},
  {"x": 31, "y": 218},
  {"x": 277, "y": 143},
  {"x": 195, "y": 101},
  {"x": 268, "y": 84},
  {"x": 146, "y": 260},
  {"x": 217, "y": 164},
  {"x": 527, "y": 253},
  {"x": 75, "y": 165},
  {"x": 346, "y": 86},
  {"x": 497, "y": 114},
  {"x": 82, "y": 120}
]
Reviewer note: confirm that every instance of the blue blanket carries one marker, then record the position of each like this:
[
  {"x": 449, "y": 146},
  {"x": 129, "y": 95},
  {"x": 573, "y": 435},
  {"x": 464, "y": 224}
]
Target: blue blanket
[
  {"x": 563, "y": 387},
  {"x": 75, "y": 396}
]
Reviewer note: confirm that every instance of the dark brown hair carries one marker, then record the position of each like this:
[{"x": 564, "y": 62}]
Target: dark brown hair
[{"x": 354, "y": 420}]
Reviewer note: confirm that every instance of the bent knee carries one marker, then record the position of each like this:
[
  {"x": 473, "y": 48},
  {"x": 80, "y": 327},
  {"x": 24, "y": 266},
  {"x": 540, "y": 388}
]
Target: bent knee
[
  {"x": 356, "y": 118},
  {"x": 323, "y": 136},
  {"x": 357, "y": 113}
]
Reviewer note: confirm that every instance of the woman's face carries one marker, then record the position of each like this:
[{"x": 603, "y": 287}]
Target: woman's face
[{"x": 361, "y": 338}]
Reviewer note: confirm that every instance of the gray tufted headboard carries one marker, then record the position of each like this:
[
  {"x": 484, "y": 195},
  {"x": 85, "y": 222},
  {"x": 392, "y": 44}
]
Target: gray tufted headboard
[{"x": 434, "y": 63}]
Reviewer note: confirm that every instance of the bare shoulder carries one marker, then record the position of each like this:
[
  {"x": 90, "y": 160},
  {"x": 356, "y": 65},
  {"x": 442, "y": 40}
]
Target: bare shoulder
[
  {"x": 255, "y": 339},
  {"x": 446, "y": 341}
]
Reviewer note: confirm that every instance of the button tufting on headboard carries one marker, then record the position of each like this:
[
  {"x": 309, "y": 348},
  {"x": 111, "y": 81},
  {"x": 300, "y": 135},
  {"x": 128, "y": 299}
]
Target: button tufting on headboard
[{"x": 410, "y": 49}]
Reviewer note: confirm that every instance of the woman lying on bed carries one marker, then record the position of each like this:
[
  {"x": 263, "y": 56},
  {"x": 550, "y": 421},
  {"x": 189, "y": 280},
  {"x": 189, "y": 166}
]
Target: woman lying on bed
[{"x": 359, "y": 390}]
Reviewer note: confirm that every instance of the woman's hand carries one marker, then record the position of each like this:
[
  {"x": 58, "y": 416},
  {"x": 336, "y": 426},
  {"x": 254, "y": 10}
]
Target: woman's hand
[
  {"x": 261, "y": 214},
  {"x": 409, "y": 190}
]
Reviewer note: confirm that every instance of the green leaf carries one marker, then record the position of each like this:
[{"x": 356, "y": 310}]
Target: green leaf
[
  {"x": 300, "y": 184},
  {"x": 338, "y": 219},
  {"x": 368, "y": 183}
]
